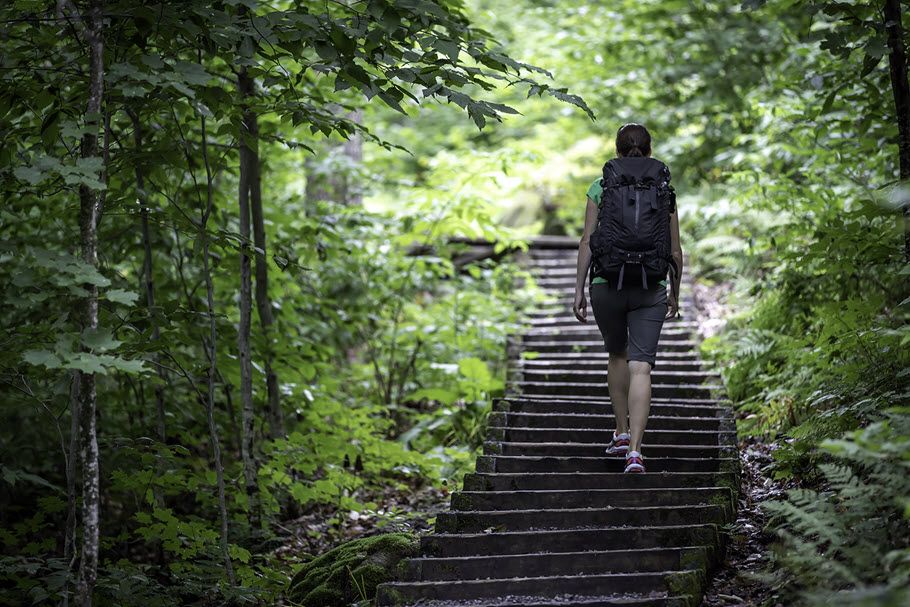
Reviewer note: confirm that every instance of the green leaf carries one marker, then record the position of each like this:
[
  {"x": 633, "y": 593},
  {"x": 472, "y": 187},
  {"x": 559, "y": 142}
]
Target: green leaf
[
  {"x": 126, "y": 298},
  {"x": 87, "y": 363},
  {"x": 449, "y": 48},
  {"x": 100, "y": 339},
  {"x": 474, "y": 369},
  {"x": 42, "y": 358}
]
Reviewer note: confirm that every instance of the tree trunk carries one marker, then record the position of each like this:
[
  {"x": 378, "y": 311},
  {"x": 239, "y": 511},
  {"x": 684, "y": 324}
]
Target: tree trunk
[
  {"x": 69, "y": 538},
  {"x": 352, "y": 149},
  {"x": 897, "y": 60},
  {"x": 246, "y": 310},
  {"x": 263, "y": 302},
  {"x": 212, "y": 355},
  {"x": 148, "y": 279},
  {"x": 90, "y": 203},
  {"x": 338, "y": 184}
]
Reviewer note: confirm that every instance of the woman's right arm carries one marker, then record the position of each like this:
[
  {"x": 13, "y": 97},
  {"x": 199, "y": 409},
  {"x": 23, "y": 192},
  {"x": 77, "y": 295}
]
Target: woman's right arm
[{"x": 677, "y": 254}]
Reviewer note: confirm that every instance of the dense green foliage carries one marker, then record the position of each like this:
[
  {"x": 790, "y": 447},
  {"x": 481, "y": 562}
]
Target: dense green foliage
[{"x": 776, "y": 118}]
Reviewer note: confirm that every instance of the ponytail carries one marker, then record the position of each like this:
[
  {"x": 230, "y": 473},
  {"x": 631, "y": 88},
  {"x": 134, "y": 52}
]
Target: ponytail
[{"x": 633, "y": 139}]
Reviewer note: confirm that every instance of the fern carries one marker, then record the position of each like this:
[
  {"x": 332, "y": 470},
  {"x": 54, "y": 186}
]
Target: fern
[{"x": 848, "y": 542}]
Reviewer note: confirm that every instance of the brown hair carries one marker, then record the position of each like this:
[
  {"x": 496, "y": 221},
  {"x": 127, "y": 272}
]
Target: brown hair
[{"x": 633, "y": 139}]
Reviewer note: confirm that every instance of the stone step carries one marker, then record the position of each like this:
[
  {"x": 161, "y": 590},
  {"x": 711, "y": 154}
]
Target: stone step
[
  {"x": 560, "y": 563},
  {"x": 576, "y": 420},
  {"x": 552, "y": 449},
  {"x": 624, "y": 600},
  {"x": 575, "y": 389},
  {"x": 597, "y": 371},
  {"x": 665, "y": 407},
  {"x": 551, "y": 586},
  {"x": 544, "y": 322},
  {"x": 605, "y": 399},
  {"x": 594, "y": 538},
  {"x": 587, "y": 332},
  {"x": 492, "y": 521},
  {"x": 560, "y": 499},
  {"x": 535, "y": 464},
  {"x": 603, "y": 435},
  {"x": 684, "y": 347},
  {"x": 599, "y": 360},
  {"x": 477, "y": 481}
]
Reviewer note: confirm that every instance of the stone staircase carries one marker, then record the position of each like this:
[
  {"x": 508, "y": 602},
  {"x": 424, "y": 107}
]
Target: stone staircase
[{"x": 548, "y": 519}]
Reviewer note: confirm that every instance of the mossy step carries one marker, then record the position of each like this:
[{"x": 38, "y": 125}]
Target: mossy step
[
  {"x": 603, "y": 584},
  {"x": 558, "y": 563},
  {"x": 589, "y": 498},
  {"x": 477, "y": 521},
  {"x": 505, "y": 463},
  {"x": 596, "y": 480},
  {"x": 581, "y": 420},
  {"x": 571, "y": 540},
  {"x": 344, "y": 573},
  {"x": 598, "y": 450},
  {"x": 602, "y": 435}
]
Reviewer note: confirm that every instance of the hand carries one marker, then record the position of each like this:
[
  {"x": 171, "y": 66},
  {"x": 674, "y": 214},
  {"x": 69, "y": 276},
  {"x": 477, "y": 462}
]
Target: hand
[
  {"x": 580, "y": 308},
  {"x": 672, "y": 305}
]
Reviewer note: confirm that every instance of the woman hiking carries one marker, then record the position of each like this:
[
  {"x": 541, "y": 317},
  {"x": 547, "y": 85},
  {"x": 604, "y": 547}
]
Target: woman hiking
[{"x": 631, "y": 245}]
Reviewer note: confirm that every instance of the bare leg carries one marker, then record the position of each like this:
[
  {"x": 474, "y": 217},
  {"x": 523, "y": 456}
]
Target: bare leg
[
  {"x": 639, "y": 401},
  {"x": 618, "y": 385}
]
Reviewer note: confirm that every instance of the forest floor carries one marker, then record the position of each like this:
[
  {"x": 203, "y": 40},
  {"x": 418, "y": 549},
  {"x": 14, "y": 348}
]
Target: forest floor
[
  {"x": 738, "y": 581},
  {"x": 410, "y": 509}
]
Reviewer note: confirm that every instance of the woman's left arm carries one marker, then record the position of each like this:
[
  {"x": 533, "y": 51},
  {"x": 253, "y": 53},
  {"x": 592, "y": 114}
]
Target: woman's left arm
[{"x": 580, "y": 309}]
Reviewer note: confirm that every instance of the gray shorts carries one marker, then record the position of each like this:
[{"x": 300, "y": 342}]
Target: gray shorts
[{"x": 630, "y": 318}]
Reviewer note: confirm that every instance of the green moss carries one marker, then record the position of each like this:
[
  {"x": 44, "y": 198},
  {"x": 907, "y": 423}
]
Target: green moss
[
  {"x": 682, "y": 583},
  {"x": 350, "y": 572},
  {"x": 693, "y": 558}
]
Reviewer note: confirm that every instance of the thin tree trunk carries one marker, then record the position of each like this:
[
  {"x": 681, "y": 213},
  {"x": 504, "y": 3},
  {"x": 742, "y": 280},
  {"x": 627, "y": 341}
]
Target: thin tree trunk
[
  {"x": 337, "y": 184},
  {"x": 263, "y": 302},
  {"x": 212, "y": 354},
  {"x": 69, "y": 538},
  {"x": 90, "y": 203},
  {"x": 353, "y": 151},
  {"x": 897, "y": 60},
  {"x": 246, "y": 311},
  {"x": 148, "y": 278}
]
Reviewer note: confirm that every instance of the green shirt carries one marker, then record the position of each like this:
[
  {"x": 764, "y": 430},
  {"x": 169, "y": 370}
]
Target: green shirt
[{"x": 594, "y": 192}]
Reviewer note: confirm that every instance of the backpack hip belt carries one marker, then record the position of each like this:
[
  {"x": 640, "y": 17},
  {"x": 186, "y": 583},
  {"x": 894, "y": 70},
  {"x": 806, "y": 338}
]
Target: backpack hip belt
[{"x": 632, "y": 257}]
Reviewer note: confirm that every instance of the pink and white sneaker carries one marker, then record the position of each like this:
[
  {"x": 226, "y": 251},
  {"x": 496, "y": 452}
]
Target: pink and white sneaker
[
  {"x": 634, "y": 462},
  {"x": 619, "y": 444}
]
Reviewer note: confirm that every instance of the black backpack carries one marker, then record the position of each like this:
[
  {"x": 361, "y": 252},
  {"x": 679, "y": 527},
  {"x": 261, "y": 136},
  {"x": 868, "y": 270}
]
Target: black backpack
[{"x": 633, "y": 223}]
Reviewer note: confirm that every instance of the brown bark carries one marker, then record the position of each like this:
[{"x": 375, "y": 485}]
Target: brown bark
[
  {"x": 246, "y": 310},
  {"x": 211, "y": 345},
  {"x": 263, "y": 301},
  {"x": 90, "y": 203},
  {"x": 897, "y": 60}
]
